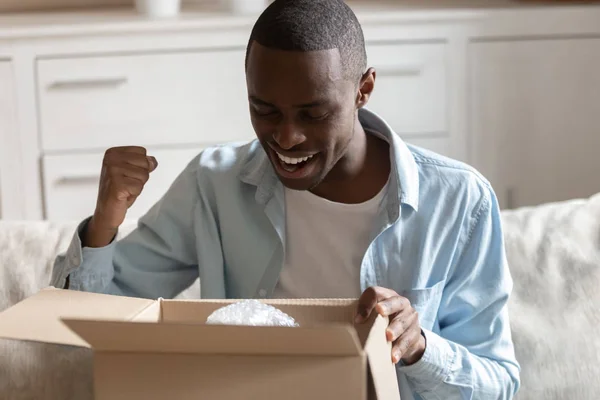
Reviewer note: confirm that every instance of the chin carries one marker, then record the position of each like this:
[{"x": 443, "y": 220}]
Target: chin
[{"x": 298, "y": 184}]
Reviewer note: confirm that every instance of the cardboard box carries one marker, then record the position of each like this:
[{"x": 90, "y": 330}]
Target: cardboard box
[{"x": 159, "y": 349}]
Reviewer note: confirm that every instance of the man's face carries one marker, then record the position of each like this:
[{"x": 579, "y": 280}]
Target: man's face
[{"x": 303, "y": 111}]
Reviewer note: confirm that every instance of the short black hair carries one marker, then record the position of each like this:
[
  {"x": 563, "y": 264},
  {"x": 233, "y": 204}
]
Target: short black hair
[{"x": 312, "y": 25}]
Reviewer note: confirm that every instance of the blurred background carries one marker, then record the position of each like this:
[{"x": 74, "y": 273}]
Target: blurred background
[{"x": 510, "y": 87}]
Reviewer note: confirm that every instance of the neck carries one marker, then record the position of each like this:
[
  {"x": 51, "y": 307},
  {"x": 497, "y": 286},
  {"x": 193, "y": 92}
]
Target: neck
[{"x": 365, "y": 165}]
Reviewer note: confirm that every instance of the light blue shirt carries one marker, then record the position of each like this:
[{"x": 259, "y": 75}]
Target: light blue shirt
[{"x": 438, "y": 242}]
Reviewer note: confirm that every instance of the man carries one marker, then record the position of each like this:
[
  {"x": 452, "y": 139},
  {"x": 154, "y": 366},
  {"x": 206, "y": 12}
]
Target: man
[{"x": 329, "y": 202}]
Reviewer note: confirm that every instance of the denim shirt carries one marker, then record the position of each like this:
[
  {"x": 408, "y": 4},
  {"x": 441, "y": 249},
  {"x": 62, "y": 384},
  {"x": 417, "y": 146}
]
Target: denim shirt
[{"x": 438, "y": 242}]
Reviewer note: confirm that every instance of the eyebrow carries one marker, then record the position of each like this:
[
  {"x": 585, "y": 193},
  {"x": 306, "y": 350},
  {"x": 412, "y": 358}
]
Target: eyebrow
[{"x": 312, "y": 104}]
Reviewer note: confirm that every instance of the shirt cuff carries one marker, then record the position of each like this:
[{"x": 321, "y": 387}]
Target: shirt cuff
[
  {"x": 82, "y": 264},
  {"x": 435, "y": 365}
]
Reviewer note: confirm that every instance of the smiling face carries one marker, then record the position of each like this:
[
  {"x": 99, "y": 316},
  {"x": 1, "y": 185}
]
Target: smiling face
[{"x": 303, "y": 110}]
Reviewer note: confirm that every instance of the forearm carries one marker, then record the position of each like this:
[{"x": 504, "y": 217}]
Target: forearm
[
  {"x": 95, "y": 235},
  {"x": 448, "y": 370},
  {"x": 142, "y": 264}
]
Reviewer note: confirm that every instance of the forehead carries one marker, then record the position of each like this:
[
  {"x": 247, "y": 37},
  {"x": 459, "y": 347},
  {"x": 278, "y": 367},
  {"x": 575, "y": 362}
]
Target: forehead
[{"x": 280, "y": 73}]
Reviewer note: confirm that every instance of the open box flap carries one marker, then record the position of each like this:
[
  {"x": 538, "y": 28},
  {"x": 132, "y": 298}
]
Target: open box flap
[
  {"x": 38, "y": 318},
  {"x": 379, "y": 354},
  {"x": 332, "y": 340}
]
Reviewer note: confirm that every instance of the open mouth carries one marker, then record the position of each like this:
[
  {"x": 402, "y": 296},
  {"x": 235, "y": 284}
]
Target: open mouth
[
  {"x": 291, "y": 164},
  {"x": 294, "y": 167}
]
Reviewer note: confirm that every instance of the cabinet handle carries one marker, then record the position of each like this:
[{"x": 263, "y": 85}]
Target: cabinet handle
[
  {"x": 78, "y": 179},
  {"x": 400, "y": 70},
  {"x": 85, "y": 83}
]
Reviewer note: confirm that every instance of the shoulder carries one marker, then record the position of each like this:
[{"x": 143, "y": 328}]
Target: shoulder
[
  {"x": 454, "y": 197},
  {"x": 225, "y": 171},
  {"x": 218, "y": 168},
  {"x": 222, "y": 165},
  {"x": 224, "y": 159},
  {"x": 455, "y": 201},
  {"x": 450, "y": 181}
]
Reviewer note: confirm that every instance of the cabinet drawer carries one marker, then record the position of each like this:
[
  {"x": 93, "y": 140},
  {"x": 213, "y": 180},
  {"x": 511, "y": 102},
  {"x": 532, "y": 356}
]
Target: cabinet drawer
[
  {"x": 145, "y": 99},
  {"x": 410, "y": 87},
  {"x": 71, "y": 182}
]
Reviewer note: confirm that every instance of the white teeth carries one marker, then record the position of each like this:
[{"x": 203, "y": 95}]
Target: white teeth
[{"x": 291, "y": 160}]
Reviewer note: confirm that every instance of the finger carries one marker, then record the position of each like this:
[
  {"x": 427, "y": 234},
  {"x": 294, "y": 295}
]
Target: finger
[
  {"x": 120, "y": 159},
  {"x": 128, "y": 187},
  {"x": 138, "y": 160},
  {"x": 403, "y": 345},
  {"x": 131, "y": 149},
  {"x": 401, "y": 323},
  {"x": 130, "y": 171},
  {"x": 152, "y": 162},
  {"x": 147, "y": 162},
  {"x": 392, "y": 305},
  {"x": 369, "y": 299}
]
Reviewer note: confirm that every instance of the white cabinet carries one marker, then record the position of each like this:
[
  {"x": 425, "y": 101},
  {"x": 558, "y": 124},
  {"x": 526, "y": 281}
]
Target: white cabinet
[
  {"x": 173, "y": 103},
  {"x": 71, "y": 182},
  {"x": 535, "y": 118},
  {"x": 8, "y": 141},
  {"x": 144, "y": 99},
  {"x": 411, "y": 91},
  {"x": 410, "y": 87}
]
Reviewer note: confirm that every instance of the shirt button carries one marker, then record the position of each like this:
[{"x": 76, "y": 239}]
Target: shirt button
[{"x": 262, "y": 293}]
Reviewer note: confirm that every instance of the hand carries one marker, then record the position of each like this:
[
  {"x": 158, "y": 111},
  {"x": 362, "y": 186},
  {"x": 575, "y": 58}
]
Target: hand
[
  {"x": 125, "y": 171},
  {"x": 404, "y": 329}
]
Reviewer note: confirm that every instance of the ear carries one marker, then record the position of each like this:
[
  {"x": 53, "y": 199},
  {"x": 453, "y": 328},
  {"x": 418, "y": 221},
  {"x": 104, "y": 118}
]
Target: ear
[{"x": 365, "y": 88}]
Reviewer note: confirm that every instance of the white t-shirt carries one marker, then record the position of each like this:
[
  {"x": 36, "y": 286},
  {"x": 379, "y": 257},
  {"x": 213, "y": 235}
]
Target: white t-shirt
[{"x": 325, "y": 245}]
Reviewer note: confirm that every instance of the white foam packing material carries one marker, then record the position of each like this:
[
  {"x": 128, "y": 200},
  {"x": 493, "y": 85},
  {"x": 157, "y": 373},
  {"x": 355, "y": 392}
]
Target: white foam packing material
[{"x": 250, "y": 313}]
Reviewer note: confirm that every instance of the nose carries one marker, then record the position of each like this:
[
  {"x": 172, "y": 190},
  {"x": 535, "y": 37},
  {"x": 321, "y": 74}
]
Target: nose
[{"x": 288, "y": 135}]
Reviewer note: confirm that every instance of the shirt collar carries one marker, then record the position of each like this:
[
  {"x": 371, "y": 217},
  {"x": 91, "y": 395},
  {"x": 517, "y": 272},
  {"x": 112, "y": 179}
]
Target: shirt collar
[{"x": 404, "y": 178}]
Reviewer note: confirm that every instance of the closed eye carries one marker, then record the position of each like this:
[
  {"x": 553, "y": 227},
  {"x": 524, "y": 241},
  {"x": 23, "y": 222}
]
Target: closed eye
[
  {"x": 312, "y": 116},
  {"x": 263, "y": 112}
]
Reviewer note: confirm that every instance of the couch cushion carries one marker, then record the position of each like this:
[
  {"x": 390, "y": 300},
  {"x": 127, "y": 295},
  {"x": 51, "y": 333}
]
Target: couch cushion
[
  {"x": 27, "y": 252},
  {"x": 554, "y": 256}
]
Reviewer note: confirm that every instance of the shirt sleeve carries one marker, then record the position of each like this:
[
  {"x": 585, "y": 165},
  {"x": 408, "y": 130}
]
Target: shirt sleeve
[
  {"x": 157, "y": 259},
  {"x": 472, "y": 357}
]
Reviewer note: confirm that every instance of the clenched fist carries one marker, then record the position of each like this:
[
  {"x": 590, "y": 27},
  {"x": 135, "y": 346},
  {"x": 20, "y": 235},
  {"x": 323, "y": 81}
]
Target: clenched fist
[{"x": 125, "y": 171}]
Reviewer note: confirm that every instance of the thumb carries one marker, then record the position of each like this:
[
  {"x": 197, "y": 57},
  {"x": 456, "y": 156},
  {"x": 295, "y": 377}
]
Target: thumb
[{"x": 152, "y": 163}]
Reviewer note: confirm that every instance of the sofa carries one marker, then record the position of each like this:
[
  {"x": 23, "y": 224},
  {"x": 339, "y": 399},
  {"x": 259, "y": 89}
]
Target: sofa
[{"x": 554, "y": 256}]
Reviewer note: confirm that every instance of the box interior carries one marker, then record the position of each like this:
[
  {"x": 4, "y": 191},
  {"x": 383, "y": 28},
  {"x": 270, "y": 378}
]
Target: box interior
[
  {"x": 326, "y": 328},
  {"x": 306, "y": 312}
]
